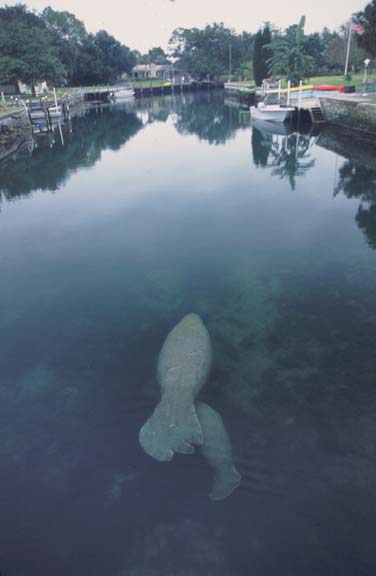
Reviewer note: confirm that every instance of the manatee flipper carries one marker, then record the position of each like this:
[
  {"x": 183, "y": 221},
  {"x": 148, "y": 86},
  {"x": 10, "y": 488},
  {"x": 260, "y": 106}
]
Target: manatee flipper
[
  {"x": 217, "y": 451},
  {"x": 185, "y": 448},
  {"x": 224, "y": 483},
  {"x": 173, "y": 427}
]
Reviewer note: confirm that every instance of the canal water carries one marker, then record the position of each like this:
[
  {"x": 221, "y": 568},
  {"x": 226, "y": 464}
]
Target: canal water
[{"x": 110, "y": 233}]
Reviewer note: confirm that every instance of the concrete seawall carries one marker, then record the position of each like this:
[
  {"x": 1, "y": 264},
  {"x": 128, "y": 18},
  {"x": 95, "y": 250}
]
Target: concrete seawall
[
  {"x": 13, "y": 124},
  {"x": 355, "y": 114},
  {"x": 15, "y": 129}
]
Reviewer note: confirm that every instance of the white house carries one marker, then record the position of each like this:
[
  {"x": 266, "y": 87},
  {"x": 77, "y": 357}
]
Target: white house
[{"x": 161, "y": 71}]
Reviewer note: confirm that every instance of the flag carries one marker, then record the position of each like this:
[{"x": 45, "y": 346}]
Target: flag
[{"x": 357, "y": 26}]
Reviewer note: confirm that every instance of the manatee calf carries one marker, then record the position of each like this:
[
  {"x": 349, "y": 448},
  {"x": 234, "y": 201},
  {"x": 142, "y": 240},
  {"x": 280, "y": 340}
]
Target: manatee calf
[
  {"x": 216, "y": 449},
  {"x": 183, "y": 366}
]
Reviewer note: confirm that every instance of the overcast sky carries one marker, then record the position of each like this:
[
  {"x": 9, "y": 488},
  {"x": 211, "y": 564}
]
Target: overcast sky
[{"x": 142, "y": 24}]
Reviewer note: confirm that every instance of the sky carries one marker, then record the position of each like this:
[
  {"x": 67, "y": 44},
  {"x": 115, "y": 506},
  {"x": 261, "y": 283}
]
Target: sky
[{"x": 143, "y": 24}]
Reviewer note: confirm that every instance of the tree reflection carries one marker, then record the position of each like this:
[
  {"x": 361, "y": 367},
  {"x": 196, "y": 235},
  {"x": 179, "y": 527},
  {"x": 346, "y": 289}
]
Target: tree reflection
[
  {"x": 205, "y": 115},
  {"x": 51, "y": 162},
  {"x": 287, "y": 154},
  {"x": 359, "y": 181},
  {"x": 261, "y": 147},
  {"x": 291, "y": 158}
]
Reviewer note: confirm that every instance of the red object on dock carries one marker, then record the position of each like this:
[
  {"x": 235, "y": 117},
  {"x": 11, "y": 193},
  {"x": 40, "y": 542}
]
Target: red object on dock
[{"x": 327, "y": 88}]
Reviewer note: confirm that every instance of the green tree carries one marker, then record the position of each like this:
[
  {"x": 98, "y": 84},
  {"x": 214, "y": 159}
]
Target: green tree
[
  {"x": 368, "y": 19},
  {"x": 27, "y": 50},
  {"x": 261, "y": 54},
  {"x": 206, "y": 53},
  {"x": 88, "y": 69},
  {"x": 69, "y": 37},
  {"x": 65, "y": 25},
  {"x": 290, "y": 57},
  {"x": 88, "y": 59},
  {"x": 157, "y": 56},
  {"x": 315, "y": 46},
  {"x": 115, "y": 57},
  {"x": 335, "y": 54}
]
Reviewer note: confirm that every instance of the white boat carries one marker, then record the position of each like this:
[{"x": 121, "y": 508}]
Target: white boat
[
  {"x": 271, "y": 112},
  {"x": 40, "y": 113},
  {"x": 267, "y": 127},
  {"x": 55, "y": 111},
  {"x": 126, "y": 93}
]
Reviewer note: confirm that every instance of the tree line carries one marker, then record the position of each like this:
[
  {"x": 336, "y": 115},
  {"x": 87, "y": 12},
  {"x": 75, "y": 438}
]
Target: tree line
[{"x": 54, "y": 46}]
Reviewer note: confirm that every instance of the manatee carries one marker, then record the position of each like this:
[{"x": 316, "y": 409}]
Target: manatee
[
  {"x": 183, "y": 366},
  {"x": 216, "y": 449}
]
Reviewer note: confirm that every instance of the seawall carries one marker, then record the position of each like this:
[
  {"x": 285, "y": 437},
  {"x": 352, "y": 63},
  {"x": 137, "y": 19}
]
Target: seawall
[
  {"x": 15, "y": 129},
  {"x": 355, "y": 114}
]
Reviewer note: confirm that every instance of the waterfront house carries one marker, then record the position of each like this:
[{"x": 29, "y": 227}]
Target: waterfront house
[{"x": 160, "y": 71}]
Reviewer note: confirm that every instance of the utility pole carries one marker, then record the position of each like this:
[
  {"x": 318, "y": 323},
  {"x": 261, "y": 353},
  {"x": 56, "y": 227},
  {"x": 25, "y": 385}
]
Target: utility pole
[
  {"x": 348, "y": 47},
  {"x": 230, "y": 63}
]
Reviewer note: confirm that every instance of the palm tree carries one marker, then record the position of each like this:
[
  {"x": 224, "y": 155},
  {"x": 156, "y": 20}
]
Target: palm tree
[{"x": 289, "y": 56}]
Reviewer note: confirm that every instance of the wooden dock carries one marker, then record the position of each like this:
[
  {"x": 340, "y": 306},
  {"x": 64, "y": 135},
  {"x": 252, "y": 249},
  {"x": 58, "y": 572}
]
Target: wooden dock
[{"x": 244, "y": 93}]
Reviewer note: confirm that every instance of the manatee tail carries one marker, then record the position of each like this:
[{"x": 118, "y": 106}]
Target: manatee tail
[
  {"x": 224, "y": 483},
  {"x": 172, "y": 427}
]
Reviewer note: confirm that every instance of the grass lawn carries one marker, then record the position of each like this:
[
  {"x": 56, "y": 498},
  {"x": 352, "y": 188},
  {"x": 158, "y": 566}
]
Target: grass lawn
[
  {"x": 6, "y": 111},
  {"x": 356, "y": 80}
]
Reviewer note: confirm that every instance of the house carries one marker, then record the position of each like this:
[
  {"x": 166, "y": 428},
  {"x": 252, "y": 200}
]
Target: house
[
  {"x": 41, "y": 88},
  {"x": 160, "y": 71},
  {"x": 9, "y": 89}
]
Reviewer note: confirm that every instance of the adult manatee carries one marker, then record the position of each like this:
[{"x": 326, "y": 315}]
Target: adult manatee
[
  {"x": 216, "y": 449},
  {"x": 183, "y": 366}
]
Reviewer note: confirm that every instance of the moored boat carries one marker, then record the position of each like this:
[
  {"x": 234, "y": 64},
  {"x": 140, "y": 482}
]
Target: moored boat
[
  {"x": 271, "y": 112},
  {"x": 125, "y": 93}
]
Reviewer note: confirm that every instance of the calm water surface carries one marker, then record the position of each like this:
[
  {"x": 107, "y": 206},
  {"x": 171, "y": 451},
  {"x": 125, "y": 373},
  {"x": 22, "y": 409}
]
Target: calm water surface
[{"x": 145, "y": 214}]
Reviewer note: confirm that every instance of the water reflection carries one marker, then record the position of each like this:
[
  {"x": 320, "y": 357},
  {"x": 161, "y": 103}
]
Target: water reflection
[
  {"x": 205, "y": 115},
  {"x": 287, "y": 291},
  {"x": 46, "y": 161},
  {"x": 356, "y": 177},
  {"x": 287, "y": 153},
  {"x": 53, "y": 157},
  {"x": 358, "y": 181}
]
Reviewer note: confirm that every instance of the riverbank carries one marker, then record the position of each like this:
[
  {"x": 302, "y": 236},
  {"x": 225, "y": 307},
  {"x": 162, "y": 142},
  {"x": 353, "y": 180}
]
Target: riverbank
[
  {"x": 356, "y": 112},
  {"x": 13, "y": 124},
  {"x": 15, "y": 131},
  {"x": 353, "y": 112}
]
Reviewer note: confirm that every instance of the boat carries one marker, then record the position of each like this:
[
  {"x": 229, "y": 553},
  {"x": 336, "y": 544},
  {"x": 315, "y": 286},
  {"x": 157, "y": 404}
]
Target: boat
[
  {"x": 267, "y": 127},
  {"x": 271, "y": 112},
  {"x": 125, "y": 93},
  {"x": 55, "y": 111},
  {"x": 38, "y": 112}
]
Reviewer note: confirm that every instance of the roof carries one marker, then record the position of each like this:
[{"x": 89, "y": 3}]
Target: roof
[
  {"x": 147, "y": 67},
  {"x": 141, "y": 67}
]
